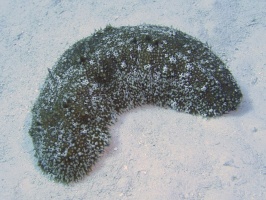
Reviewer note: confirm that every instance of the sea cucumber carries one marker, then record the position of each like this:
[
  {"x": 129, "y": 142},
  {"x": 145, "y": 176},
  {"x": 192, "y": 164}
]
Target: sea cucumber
[{"x": 114, "y": 70}]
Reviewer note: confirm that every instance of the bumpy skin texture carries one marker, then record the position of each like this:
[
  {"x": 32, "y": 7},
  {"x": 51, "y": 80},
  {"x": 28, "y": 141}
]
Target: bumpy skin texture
[{"x": 115, "y": 70}]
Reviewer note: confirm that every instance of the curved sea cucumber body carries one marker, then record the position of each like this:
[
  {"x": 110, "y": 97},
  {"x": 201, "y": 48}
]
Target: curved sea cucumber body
[{"x": 114, "y": 70}]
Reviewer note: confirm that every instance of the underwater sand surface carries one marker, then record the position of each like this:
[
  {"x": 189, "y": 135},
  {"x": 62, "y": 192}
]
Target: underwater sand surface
[{"x": 155, "y": 153}]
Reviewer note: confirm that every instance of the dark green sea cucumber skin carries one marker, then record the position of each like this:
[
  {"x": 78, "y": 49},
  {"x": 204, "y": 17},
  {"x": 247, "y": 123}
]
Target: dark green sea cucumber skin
[{"x": 115, "y": 70}]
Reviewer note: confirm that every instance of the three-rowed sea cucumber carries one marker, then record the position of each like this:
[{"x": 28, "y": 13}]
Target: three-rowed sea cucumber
[{"x": 114, "y": 70}]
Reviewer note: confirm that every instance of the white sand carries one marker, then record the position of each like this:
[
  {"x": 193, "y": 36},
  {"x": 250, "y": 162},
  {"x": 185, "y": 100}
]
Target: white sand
[{"x": 155, "y": 153}]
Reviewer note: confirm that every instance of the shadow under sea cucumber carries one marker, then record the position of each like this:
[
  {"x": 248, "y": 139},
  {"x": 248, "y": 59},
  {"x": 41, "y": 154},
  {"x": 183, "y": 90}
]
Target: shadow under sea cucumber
[{"x": 114, "y": 70}]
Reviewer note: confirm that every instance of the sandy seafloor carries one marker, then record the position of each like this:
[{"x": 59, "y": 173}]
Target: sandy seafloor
[{"x": 155, "y": 153}]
